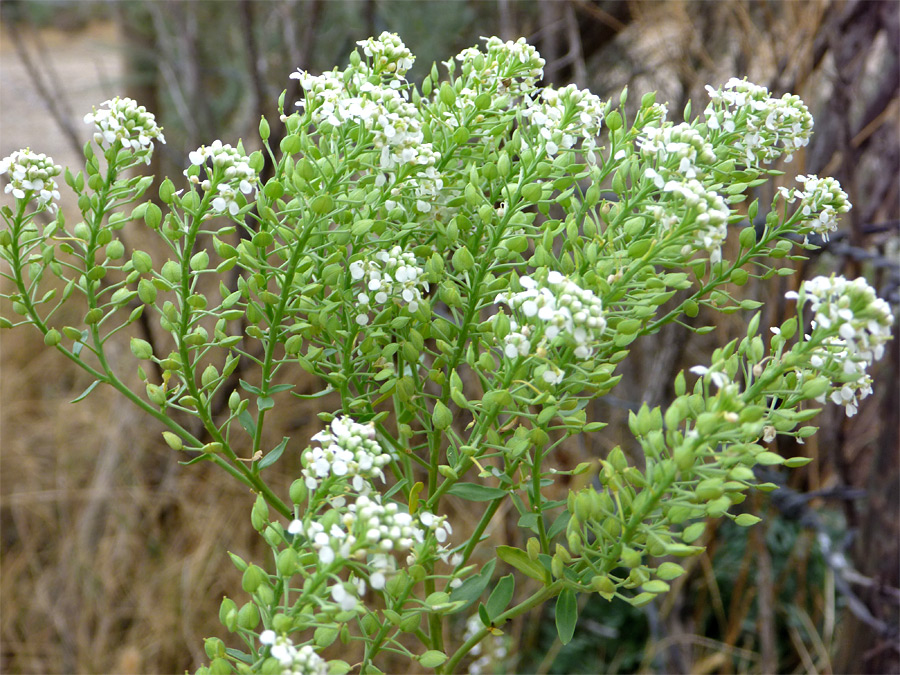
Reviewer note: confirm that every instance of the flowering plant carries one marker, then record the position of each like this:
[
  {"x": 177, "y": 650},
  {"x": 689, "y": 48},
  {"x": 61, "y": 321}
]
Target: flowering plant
[{"x": 465, "y": 265}]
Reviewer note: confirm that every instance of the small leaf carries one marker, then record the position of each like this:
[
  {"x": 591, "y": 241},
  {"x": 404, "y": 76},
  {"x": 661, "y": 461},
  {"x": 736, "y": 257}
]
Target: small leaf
[
  {"x": 476, "y": 493},
  {"x": 265, "y": 403},
  {"x": 500, "y": 596},
  {"x": 246, "y": 386},
  {"x": 247, "y": 422},
  {"x": 566, "y": 615},
  {"x": 520, "y": 560},
  {"x": 83, "y": 395},
  {"x": 274, "y": 455},
  {"x": 472, "y": 588}
]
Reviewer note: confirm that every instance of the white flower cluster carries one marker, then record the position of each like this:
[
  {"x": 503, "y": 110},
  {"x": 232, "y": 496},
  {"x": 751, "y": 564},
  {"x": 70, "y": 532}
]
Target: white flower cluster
[
  {"x": 230, "y": 169},
  {"x": 769, "y": 122},
  {"x": 681, "y": 144},
  {"x": 863, "y": 322},
  {"x": 294, "y": 660},
  {"x": 562, "y": 116},
  {"x": 369, "y": 528},
  {"x": 558, "y": 308},
  {"x": 821, "y": 200},
  {"x": 506, "y": 67},
  {"x": 388, "y": 54},
  {"x": 710, "y": 210},
  {"x": 392, "y": 275},
  {"x": 334, "y": 98},
  {"x": 31, "y": 175},
  {"x": 130, "y": 124},
  {"x": 346, "y": 449}
]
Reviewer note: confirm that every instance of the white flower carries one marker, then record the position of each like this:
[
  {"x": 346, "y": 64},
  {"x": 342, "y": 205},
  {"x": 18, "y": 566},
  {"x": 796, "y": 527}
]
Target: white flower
[
  {"x": 347, "y": 450},
  {"x": 391, "y": 276},
  {"x": 126, "y": 122},
  {"x": 31, "y": 175},
  {"x": 717, "y": 377},
  {"x": 230, "y": 169},
  {"x": 852, "y": 326},
  {"x": 771, "y": 127}
]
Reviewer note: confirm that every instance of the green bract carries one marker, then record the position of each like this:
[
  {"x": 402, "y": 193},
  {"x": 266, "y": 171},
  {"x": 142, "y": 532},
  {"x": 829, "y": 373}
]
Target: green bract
[{"x": 465, "y": 267}]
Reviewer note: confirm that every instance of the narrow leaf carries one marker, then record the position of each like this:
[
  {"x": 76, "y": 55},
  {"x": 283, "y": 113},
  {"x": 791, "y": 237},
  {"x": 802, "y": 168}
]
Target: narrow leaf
[
  {"x": 501, "y": 596},
  {"x": 566, "y": 615},
  {"x": 274, "y": 455},
  {"x": 520, "y": 560},
  {"x": 476, "y": 493},
  {"x": 83, "y": 395}
]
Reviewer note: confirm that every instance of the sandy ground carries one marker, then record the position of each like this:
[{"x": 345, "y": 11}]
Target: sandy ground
[{"x": 81, "y": 69}]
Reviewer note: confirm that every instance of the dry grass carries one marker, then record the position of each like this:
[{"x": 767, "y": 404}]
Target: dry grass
[{"x": 114, "y": 556}]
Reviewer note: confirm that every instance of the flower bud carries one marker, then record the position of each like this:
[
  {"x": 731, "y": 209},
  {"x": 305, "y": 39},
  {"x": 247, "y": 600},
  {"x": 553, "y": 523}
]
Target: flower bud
[{"x": 298, "y": 492}]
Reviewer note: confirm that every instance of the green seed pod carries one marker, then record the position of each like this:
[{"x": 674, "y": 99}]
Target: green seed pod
[
  {"x": 253, "y": 577},
  {"x": 156, "y": 394},
  {"x": 199, "y": 261},
  {"x": 630, "y": 558},
  {"x": 209, "y": 376},
  {"x": 462, "y": 260},
  {"x": 604, "y": 586},
  {"x": 220, "y": 666},
  {"x": 214, "y": 648},
  {"x": 259, "y": 516},
  {"x": 248, "y": 616},
  {"x": 263, "y": 129},
  {"x": 447, "y": 94},
  {"x": 173, "y": 440},
  {"x": 115, "y": 249},
  {"x": 709, "y": 489},
  {"x": 410, "y": 622},
  {"x": 557, "y": 567},
  {"x": 533, "y": 547},
  {"x": 52, "y": 337},
  {"x": 228, "y": 614},
  {"x": 441, "y": 418},
  {"x": 286, "y": 562},
  {"x": 298, "y": 492},
  {"x": 532, "y": 192},
  {"x": 613, "y": 120}
]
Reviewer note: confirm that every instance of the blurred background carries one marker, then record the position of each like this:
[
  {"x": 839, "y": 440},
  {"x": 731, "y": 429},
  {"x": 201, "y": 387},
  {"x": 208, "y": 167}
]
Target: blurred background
[{"x": 114, "y": 556}]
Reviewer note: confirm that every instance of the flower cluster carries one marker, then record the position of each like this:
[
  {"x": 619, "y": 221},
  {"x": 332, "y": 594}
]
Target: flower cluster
[
  {"x": 392, "y": 275},
  {"x": 124, "y": 121},
  {"x": 369, "y": 528},
  {"x": 388, "y": 54},
  {"x": 767, "y": 122},
  {"x": 561, "y": 116},
  {"x": 863, "y": 325},
  {"x": 293, "y": 660},
  {"x": 31, "y": 176},
  {"x": 231, "y": 172},
  {"x": 681, "y": 144},
  {"x": 346, "y": 449},
  {"x": 559, "y": 309},
  {"x": 821, "y": 200},
  {"x": 708, "y": 208},
  {"x": 506, "y": 67}
]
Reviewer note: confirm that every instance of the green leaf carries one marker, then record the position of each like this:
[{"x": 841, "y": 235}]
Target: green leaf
[
  {"x": 246, "y": 386},
  {"x": 247, "y": 422},
  {"x": 476, "y": 493},
  {"x": 273, "y": 456},
  {"x": 83, "y": 395},
  {"x": 566, "y": 615},
  {"x": 500, "y": 596},
  {"x": 265, "y": 403},
  {"x": 520, "y": 560},
  {"x": 472, "y": 588},
  {"x": 559, "y": 524}
]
